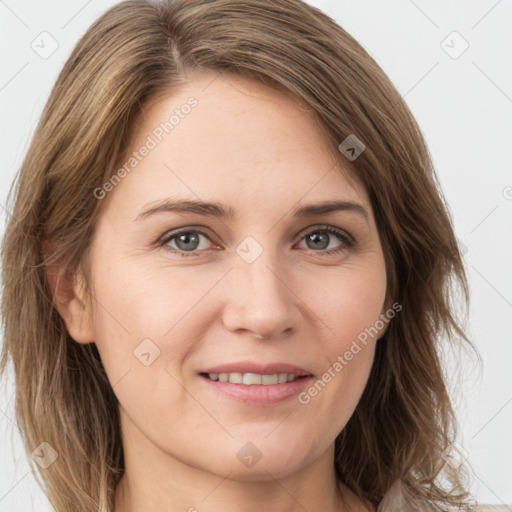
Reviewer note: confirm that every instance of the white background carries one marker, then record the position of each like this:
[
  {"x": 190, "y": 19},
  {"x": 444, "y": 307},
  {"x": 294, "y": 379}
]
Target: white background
[{"x": 464, "y": 107}]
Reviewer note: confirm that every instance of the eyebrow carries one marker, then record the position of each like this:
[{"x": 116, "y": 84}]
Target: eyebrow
[{"x": 227, "y": 212}]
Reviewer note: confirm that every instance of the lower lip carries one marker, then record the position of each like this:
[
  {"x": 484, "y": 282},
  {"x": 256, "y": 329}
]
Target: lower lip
[{"x": 259, "y": 394}]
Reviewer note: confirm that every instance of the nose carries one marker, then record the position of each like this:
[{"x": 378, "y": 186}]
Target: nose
[{"x": 260, "y": 300}]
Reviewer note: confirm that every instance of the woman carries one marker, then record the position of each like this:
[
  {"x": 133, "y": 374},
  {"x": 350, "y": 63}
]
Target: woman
[{"x": 251, "y": 369}]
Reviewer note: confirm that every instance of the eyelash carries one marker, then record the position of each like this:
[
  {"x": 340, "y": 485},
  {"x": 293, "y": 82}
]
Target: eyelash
[{"x": 348, "y": 241}]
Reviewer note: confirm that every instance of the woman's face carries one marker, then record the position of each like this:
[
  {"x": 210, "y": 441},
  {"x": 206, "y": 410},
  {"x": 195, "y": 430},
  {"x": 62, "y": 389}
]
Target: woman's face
[{"x": 169, "y": 308}]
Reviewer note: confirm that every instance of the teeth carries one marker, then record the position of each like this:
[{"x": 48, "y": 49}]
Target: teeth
[
  {"x": 283, "y": 377},
  {"x": 270, "y": 379},
  {"x": 249, "y": 378},
  {"x": 252, "y": 378},
  {"x": 236, "y": 378}
]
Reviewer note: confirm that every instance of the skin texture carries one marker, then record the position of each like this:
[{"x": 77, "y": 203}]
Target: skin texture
[{"x": 255, "y": 150}]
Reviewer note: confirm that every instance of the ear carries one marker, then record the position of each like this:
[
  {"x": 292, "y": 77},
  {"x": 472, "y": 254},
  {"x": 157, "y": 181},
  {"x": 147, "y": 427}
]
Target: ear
[{"x": 72, "y": 301}]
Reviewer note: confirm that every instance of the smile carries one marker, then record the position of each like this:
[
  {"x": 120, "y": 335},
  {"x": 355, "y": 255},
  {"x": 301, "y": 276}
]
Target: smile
[{"x": 250, "y": 379}]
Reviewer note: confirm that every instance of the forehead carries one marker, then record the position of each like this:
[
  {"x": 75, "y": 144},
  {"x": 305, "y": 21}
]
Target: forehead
[{"x": 231, "y": 139}]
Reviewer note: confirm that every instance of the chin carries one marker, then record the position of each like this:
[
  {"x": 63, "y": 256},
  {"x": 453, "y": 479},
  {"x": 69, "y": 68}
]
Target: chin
[
  {"x": 260, "y": 472},
  {"x": 263, "y": 459}
]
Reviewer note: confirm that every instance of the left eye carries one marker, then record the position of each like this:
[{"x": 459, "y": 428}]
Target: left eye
[
  {"x": 188, "y": 242},
  {"x": 322, "y": 237}
]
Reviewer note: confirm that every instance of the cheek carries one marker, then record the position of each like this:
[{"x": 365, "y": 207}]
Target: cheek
[
  {"x": 351, "y": 302},
  {"x": 350, "y": 306},
  {"x": 148, "y": 314},
  {"x": 145, "y": 301},
  {"x": 143, "y": 326}
]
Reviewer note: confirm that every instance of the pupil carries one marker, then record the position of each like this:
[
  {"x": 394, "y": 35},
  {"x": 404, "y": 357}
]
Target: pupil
[
  {"x": 186, "y": 238},
  {"x": 316, "y": 237}
]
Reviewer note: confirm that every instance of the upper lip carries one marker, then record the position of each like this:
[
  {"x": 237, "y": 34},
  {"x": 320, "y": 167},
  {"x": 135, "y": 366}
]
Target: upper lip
[{"x": 260, "y": 368}]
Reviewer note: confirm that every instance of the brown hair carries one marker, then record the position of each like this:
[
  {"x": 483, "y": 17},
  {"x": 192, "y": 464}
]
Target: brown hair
[{"x": 404, "y": 421}]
